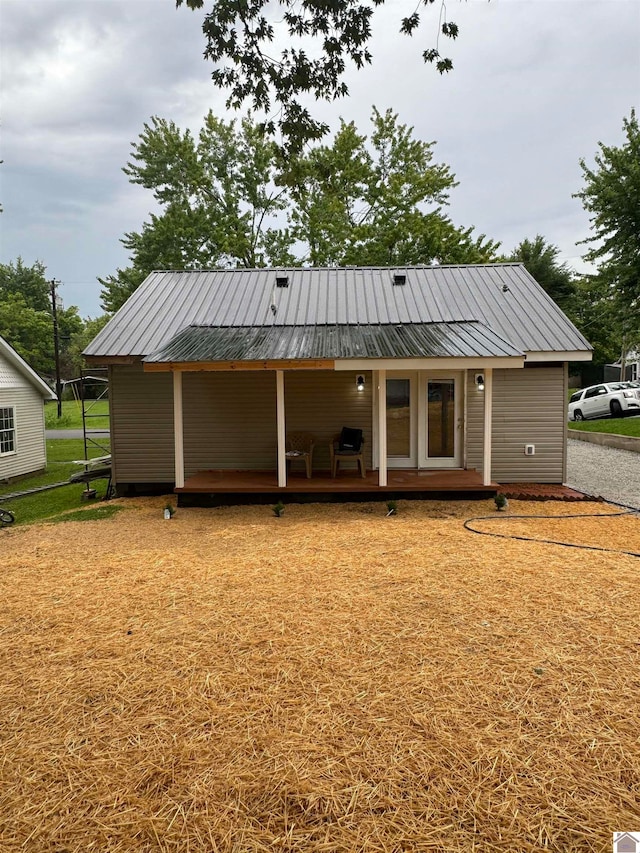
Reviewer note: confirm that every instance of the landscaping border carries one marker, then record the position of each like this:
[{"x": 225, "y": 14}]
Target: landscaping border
[{"x": 620, "y": 442}]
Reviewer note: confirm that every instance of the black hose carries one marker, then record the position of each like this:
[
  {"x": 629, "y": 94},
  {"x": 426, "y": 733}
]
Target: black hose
[{"x": 629, "y": 511}]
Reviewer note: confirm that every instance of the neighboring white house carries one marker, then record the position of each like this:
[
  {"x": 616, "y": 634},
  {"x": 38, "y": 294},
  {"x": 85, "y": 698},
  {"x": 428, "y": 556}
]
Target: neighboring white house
[{"x": 22, "y": 396}]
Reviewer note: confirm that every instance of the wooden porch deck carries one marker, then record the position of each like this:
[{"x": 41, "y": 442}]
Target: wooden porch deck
[{"x": 347, "y": 485}]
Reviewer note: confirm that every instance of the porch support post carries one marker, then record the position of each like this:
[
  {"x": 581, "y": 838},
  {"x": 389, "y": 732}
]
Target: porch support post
[
  {"x": 282, "y": 459},
  {"x": 382, "y": 427},
  {"x": 488, "y": 423},
  {"x": 178, "y": 431}
]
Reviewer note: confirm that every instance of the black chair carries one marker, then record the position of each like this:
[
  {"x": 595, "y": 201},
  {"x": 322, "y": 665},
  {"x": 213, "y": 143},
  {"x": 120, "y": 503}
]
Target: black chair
[{"x": 348, "y": 444}]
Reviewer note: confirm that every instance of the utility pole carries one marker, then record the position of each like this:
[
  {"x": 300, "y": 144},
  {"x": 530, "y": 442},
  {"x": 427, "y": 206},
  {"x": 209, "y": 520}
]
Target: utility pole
[{"x": 56, "y": 344}]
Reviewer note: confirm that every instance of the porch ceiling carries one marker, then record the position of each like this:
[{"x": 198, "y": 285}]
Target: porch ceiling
[{"x": 320, "y": 345}]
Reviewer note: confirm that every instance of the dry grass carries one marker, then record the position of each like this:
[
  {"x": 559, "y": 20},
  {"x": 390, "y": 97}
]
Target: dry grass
[{"x": 329, "y": 681}]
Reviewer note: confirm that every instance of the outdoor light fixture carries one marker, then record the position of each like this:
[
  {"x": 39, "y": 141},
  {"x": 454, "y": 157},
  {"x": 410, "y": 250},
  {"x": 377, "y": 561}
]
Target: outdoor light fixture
[
  {"x": 480, "y": 381},
  {"x": 360, "y": 382}
]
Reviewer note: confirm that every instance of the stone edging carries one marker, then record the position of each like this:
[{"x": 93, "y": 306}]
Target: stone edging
[{"x": 605, "y": 439}]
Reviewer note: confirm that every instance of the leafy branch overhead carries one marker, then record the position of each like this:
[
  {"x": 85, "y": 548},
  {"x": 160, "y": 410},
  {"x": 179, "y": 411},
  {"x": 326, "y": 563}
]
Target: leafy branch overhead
[{"x": 271, "y": 54}]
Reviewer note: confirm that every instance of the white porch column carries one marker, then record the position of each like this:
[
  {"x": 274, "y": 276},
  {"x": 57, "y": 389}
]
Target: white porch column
[
  {"x": 488, "y": 423},
  {"x": 282, "y": 459},
  {"x": 382, "y": 427},
  {"x": 178, "y": 430}
]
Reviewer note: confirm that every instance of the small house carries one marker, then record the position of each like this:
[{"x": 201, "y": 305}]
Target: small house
[
  {"x": 455, "y": 377},
  {"x": 22, "y": 395}
]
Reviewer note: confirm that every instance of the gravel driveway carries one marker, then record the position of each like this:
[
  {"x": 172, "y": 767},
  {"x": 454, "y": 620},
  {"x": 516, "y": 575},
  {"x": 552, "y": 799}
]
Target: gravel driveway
[{"x": 604, "y": 472}]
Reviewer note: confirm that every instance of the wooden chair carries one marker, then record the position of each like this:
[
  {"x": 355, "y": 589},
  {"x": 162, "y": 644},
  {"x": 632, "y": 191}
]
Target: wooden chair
[
  {"x": 338, "y": 454},
  {"x": 299, "y": 447}
]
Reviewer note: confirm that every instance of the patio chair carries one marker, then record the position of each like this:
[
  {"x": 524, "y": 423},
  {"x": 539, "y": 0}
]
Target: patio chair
[
  {"x": 348, "y": 444},
  {"x": 299, "y": 447}
]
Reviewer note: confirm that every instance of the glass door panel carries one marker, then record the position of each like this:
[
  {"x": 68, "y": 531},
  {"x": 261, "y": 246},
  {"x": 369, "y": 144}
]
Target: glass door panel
[
  {"x": 401, "y": 421},
  {"x": 441, "y": 418}
]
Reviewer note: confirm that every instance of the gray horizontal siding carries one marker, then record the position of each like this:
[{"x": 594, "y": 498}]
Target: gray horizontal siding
[
  {"x": 31, "y": 452},
  {"x": 322, "y": 403},
  {"x": 474, "y": 423},
  {"x": 529, "y": 407},
  {"x": 141, "y": 410},
  {"x": 229, "y": 420}
]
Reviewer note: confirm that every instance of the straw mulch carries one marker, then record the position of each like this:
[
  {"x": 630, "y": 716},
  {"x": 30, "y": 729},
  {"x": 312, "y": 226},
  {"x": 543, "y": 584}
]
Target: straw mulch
[{"x": 332, "y": 680}]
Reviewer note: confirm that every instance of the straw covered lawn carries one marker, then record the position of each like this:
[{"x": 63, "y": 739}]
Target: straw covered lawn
[{"x": 332, "y": 680}]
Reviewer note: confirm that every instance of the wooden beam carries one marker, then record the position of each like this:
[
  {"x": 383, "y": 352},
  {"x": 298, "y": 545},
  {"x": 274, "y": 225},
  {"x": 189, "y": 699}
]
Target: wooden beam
[
  {"x": 237, "y": 366},
  {"x": 97, "y": 360}
]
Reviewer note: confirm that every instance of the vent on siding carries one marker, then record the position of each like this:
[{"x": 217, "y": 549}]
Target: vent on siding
[
  {"x": 282, "y": 280},
  {"x": 399, "y": 278}
]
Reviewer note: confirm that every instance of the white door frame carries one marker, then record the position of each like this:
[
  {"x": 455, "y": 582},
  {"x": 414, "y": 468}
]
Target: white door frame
[
  {"x": 419, "y": 379},
  {"x": 457, "y": 460}
]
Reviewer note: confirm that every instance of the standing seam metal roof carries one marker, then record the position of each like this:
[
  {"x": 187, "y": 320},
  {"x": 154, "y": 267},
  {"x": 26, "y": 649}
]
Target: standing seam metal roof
[
  {"x": 503, "y": 297},
  {"x": 251, "y": 343}
]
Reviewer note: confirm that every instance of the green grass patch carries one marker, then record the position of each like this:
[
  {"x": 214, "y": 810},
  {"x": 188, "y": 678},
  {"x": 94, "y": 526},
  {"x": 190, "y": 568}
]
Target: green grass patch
[
  {"x": 97, "y": 411},
  {"x": 43, "y": 505},
  {"x": 612, "y": 426},
  {"x": 90, "y": 514}
]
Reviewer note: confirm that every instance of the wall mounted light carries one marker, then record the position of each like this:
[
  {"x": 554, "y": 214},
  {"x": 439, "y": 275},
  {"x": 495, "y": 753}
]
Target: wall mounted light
[
  {"x": 360, "y": 382},
  {"x": 480, "y": 381}
]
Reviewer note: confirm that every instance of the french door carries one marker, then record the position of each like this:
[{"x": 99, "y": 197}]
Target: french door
[{"x": 425, "y": 419}]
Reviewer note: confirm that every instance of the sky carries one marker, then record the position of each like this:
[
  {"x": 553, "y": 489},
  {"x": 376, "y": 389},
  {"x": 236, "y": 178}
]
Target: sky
[{"x": 536, "y": 85}]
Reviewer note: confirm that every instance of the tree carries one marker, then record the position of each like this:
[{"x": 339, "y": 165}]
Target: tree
[
  {"x": 541, "y": 260},
  {"x": 218, "y": 201},
  {"x": 320, "y": 38},
  {"x": 612, "y": 195},
  {"x": 25, "y": 315},
  {"x": 356, "y": 201},
  {"x": 378, "y": 204}
]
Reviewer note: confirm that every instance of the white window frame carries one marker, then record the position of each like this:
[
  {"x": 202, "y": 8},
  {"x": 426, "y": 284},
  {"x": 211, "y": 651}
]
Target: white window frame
[{"x": 14, "y": 430}]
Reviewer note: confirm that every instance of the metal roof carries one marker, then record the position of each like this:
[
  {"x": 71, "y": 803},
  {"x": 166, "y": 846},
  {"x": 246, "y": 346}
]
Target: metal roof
[
  {"x": 259, "y": 343},
  {"x": 503, "y": 297}
]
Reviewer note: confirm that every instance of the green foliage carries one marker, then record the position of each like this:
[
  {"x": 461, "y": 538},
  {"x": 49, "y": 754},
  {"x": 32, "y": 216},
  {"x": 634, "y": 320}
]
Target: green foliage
[
  {"x": 541, "y": 260},
  {"x": 26, "y": 321},
  {"x": 218, "y": 200},
  {"x": 392, "y": 508},
  {"x": 611, "y": 194},
  {"x": 278, "y": 509},
  {"x": 240, "y": 42},
  {"x": 357, "y": 201},
  {"x": 377, "y": 202},
  {"x": 81, "y": 339}
]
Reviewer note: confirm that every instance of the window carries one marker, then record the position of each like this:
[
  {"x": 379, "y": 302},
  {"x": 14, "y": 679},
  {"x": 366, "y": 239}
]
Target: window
[
  {"x": 7, "y": 430},
  {"x": 595, "y": 391},
  {"x": 575, "y": 397}
]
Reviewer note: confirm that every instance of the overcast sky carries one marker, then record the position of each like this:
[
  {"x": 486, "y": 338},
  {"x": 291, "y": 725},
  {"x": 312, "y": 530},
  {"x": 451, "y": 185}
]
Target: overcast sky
[{"x": 536, "y": 85}]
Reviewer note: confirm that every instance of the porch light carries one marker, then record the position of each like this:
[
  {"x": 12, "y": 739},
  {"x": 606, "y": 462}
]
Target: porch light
[
  {"x": 360, "y": 382},
  {"x": 480, "y": 381}
]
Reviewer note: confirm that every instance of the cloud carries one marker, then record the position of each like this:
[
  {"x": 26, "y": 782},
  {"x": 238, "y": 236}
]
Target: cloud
[{"x": 535, "y": 87}]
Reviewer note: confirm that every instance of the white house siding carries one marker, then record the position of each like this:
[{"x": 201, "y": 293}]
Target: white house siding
[
  {"x": 529, "y": 407},
  {"x": 31, "y": 453},
  {"x": 141, "y": 423}
]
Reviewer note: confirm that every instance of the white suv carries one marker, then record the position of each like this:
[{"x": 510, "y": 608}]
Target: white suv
[{"x": 609, "y": 398}]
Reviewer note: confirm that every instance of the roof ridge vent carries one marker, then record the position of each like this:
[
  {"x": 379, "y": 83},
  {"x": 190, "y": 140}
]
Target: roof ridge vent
[
  {"x": 282, "y": 280},
  {"x": 399, "y": 278}
]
